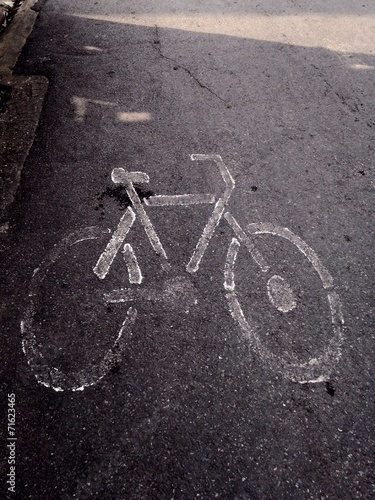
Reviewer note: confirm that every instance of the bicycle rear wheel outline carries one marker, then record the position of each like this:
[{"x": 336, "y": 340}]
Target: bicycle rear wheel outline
[
  {"x": 315, "y": 369},
  {"x": 50, "y": 376}
]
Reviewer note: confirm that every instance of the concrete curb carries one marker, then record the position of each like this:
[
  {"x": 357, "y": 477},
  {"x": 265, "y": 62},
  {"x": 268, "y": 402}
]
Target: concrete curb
[
  {"x": 14, "y": 37},
  {"x": 17, "y": 131},
  {"x": 21, "y": 117}
]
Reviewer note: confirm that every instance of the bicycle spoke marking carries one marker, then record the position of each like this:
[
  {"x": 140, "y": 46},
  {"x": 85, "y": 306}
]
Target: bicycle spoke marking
[
  {"x": 179, "y": 199},
  {"x": 135, "y": 275},
  {"x": 229, "y": 264},
  {"x": 105, "y": 260}
]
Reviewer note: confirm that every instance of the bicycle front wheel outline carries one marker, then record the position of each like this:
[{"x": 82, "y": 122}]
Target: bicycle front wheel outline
[
  {"x": 50, "y": 376},
  {"x": 316, "y": 369}
]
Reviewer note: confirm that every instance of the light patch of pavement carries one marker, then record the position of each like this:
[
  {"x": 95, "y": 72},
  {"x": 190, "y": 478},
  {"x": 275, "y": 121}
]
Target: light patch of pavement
[{"x": 340, "y": 33}]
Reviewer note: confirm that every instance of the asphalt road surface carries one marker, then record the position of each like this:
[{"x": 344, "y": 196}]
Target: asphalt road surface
[{"x": 201, "y": 328}]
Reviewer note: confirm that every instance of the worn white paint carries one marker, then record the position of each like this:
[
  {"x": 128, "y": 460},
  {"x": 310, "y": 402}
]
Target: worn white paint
[
  {"x": 92, "y": 48},
  {"x": 179, "y": 199},
  {"x": 313, "y": 371},
  {"x": 124, "y": 295},
  {"x": 266, "y": 228},
  {"x": 81, "y": 105},
  {"x": 316, "y": 369},
  {"x": 208, "y": 231},
  {"x": 178, "y": 291},
  {"x": 48, "y": 375},
  {"x": 244, "y": 238},
  {"x": 336, "y": 311},
  {"x": 134, "y": 271},
  {"x": 229, "y": 264},
  {"x": 121, "y": 176},
  {"x": 4, "y": 228},
  {"x": 106, "y": 258},
  {"x": 133, "y": 117},
  {"x": 281, "y": 294}
]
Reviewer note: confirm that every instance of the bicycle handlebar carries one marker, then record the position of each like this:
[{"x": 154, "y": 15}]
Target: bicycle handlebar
[{"x": 121, "y": 176}]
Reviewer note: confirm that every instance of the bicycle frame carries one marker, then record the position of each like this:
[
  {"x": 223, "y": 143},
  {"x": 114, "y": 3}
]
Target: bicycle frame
[
  {"x": 128, "y": 179},
  {"x": 280, "y": 293}
]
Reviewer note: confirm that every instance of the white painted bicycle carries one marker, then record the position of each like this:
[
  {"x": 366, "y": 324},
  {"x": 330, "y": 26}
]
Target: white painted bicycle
[{"x": 45, "y": 340}]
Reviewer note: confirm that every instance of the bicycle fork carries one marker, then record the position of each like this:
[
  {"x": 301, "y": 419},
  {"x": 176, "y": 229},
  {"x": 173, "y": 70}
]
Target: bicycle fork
[{"x": 120, "y": 176}]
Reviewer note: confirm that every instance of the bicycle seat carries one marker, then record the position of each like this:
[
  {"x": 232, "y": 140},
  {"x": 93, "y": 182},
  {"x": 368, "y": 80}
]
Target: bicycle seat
[{"x": 121, "y": 176}]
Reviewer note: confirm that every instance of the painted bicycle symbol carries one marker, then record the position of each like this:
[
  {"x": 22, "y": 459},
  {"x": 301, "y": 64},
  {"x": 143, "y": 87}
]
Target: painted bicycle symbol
[{"x": 279, "y": 292}]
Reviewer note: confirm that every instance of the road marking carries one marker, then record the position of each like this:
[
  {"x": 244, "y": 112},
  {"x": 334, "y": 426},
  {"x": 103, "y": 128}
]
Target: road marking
[
  {"x": 131, "y": 117},
  {"x": 81, "y": 104},
  {"x": 229, "y": 264},
  {"x": 281, "y": 294},
  {"x": 244, "y": 238},
  {"x": 76, "y": 381},
  {"x": 4, "y": 227},
  {"x": 120, "y": 176},
  {"x": 124, "y": 295},
  {"x": 91, "y": 48},
  {"x": 179, "y": 199},
  {"x": 178, "y": 293},
  {"x": 313, "y": 371},
  {"x": 134, "y": 271},
  {"x": 336, "y": 310},
  {"x": 208, "y": 231},
  {"x": 264, "y": 228},
  {"x": 48, "y": 375},
  {"x": 106, "y": 258}
]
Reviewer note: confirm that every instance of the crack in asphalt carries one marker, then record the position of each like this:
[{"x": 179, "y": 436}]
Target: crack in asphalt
[
  {"x": 157, "y": 46},
  {"x": 354, "y": 107}
]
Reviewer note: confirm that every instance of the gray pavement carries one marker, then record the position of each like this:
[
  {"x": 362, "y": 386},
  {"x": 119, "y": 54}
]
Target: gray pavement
[{"x": 205, "y": 330}]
